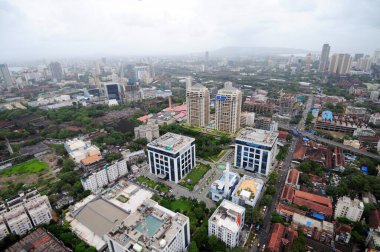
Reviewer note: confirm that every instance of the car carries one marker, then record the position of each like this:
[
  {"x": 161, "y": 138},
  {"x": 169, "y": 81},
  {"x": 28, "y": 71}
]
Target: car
[
  {"x": 263, "y": 248},
  {"x": 258, "y": 245}
]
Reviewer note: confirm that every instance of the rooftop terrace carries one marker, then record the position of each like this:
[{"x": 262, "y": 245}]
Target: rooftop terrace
[
  {"x": 258, "y": 136},
  {"x": 171, "y": 142}
]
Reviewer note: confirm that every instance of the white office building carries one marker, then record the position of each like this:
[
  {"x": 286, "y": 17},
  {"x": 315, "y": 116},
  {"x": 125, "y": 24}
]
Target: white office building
[
  {"x": 227, "y": 222},
  {"x": 223, "y": 187},
  {"x": 255, "y": 150},
  {"x": 100, "y": 178},
  {"x": 151, "y": 228},
  {"x": 171, "y": 156},
  {"x": 350, "y": 209}
]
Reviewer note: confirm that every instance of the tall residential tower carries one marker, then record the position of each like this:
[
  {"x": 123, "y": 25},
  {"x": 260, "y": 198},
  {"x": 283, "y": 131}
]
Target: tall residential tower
[
  {"x": 5, "y": 76},
  {"x": 324, "y": 59},
  {"x": 198, "y": 105},
  {"x": 228, "y": 108},
  {"x": 340, "y": 63}
]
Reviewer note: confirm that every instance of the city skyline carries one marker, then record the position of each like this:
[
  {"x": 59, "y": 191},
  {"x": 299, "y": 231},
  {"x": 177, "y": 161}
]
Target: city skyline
[{"x": 83, "y": 29}]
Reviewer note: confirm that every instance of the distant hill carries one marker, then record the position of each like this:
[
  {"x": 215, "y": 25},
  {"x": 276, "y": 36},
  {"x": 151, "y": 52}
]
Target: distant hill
[{"x": 249, "y": 51}]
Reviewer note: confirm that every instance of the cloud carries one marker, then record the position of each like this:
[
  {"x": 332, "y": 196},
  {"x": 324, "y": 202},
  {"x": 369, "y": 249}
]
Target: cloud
[{"x": 52, "y": 28}]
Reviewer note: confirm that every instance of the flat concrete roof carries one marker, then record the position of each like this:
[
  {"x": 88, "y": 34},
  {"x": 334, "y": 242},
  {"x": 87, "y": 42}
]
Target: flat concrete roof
[
  {"x": 258, "y": 136},
  {"x": 100, "y": 216},
  {"x": 171, "y": 142}
]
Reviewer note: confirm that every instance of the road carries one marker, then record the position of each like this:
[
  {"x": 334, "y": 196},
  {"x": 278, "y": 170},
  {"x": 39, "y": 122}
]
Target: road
[
  {"x": 263, "y": 235},
  {"x": 345, "y": 147}
]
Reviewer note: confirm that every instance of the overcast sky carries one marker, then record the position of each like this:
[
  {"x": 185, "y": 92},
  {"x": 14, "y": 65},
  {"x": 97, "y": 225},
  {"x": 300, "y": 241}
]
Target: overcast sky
[{"x": 35, "y": 29}]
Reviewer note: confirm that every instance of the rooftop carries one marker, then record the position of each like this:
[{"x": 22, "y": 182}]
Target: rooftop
[
  {"x": 171, "y": 142},
  {"x": 38, "y": 241},
  {"x": 151, "y": 225},
  {"x": 293, "y": 176},
  {"x": 91, "y": 159},
  {"x": 248, "y": 186},
  {"x": 258, "y": 136},
  {"x": 228, "y": 215}
]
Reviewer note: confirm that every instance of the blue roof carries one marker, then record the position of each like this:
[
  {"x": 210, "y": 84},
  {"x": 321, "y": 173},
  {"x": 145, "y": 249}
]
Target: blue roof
[
  {"x": 318, "y": 216},
  {"x": 308, "y": 223},
  {"x": 315, "y": 110},
  {"x": 364, "y": 169},
  {"x": 305, "y": 139},
  {"x": 327, "y": 115}
]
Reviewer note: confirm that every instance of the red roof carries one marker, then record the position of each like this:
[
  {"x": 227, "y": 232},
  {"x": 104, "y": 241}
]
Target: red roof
[
  {"x": 143, "y": 118},
  {"x": 374, "y": 219},
  {"x": 278, "y": 231},
  {"x": 313, "y": 197},
  {"x": 299, "y": 152},
  {"x": 314, "y": 202},
  {"x": 179, "y": 108},
  {"x": 293, "y": 176},
  {"x": 282, "y": 134},
  {"x": 288, "y": 210},
  {"x": 287, "y": 193}
]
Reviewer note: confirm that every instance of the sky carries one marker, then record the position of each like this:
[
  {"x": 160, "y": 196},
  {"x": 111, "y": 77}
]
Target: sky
[{"x": 36, "y": 29}]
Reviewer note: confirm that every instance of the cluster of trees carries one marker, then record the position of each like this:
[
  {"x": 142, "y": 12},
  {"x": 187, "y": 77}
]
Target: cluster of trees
[
  {"x": 310, "y": 166},
  {"x": 337, "y": 109},
  {"x": 113, "y": 137},
  {"x": 69, "y": 181},
  {"x": 137, "y": 144},
  {"x": 283, "y": 152},
  {"x": 206, "y": 145},
  {"x": 354, "y": 183},
  {"x": 359, "y": 230}
]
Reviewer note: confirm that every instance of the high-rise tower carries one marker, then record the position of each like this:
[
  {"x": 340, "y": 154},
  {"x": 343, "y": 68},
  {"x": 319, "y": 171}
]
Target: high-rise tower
[
  {"x": 324, "y": 59},
  {"x": 198, "y": 105},
  {"x": 228, "y": 108}
]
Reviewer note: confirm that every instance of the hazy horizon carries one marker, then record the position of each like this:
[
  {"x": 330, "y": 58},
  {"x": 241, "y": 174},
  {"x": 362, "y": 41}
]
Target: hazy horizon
[{"x": 33, "y": 30}]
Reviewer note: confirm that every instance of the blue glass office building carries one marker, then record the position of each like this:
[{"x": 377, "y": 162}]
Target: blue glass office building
[{"x": 255, "y": 150}]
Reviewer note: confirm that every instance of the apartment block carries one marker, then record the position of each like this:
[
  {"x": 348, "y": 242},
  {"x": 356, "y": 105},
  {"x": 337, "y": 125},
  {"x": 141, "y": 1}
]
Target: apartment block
[
  {"x": 350, "y": 209},
  {"x": 227, "y": 222},
  {"x": 148, "y": 131},
  {"x": 18, "y": 221},
  {"x": 39, "y": 210},
  {"x": 102, "y": 176},
  {"x": 198, "y": 105},
  {"x": 228, "y": 108},
  {"x": 171, "y": 156}
]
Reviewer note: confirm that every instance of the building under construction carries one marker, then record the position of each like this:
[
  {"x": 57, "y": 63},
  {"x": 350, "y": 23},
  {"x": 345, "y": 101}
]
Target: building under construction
[{"x": 340, "y": 122}]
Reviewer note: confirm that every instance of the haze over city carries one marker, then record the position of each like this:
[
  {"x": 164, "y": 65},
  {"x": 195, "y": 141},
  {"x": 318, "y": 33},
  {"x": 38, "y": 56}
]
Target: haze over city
[{"x": 79, "y": 28}]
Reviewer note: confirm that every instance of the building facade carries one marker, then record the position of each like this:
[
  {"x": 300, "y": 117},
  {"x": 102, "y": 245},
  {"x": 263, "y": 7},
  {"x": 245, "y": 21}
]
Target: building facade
[
  {"x": 149, "y": 131},
  {"x": 255, "y": 150},
  {"x": 98, "y": 179},
  {"x": 350, "y": 209},
  {"x": 198, "y": 105},
  {"x": 5, "y": 76},
  {"x": 171, "y": 156},
  {"x": 227, "y": 222},
  {"x": 324, "y": 59},
  {"x": 56, "y": 71},
  {"x": 340, "y": 64},
  {"x": 228, "y": 108}
]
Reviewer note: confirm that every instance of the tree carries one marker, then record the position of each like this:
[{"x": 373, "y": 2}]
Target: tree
[
  {"x": 276, "y": 218},
  {"x": 298, "y": 243},
  {"x": 266, "y": 200},
  {"x": 193, "y": 247}
]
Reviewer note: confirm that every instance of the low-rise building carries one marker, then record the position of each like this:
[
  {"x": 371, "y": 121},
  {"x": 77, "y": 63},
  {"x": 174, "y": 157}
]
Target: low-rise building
[
  {"x": 227, "y": 222},
  {"x": 248, "y": 191},
  {"x": 79, "y": 149},
  {"x": 171, "y": 156},
  {"x": 38, "y": 240},
  {"x": 3, "y": 228},
  {"x": 319, "y": 230},
  {"x": 350, "y": 209},
  {"x": 95, "y": 180},
  {"x": 39, "y": 210},
  {"x": 18, "y": 221},
  {"x": 148, "y": 131},
  {"x": 292, "y": 178},
  {"x": 247, "y": 119},
  {"x": 219, "y": 189},
  {"x": 281, "y": 238}
]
